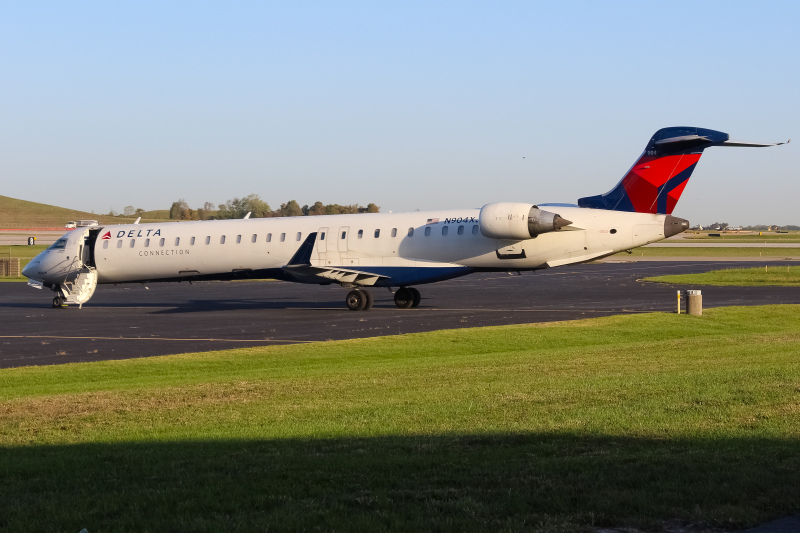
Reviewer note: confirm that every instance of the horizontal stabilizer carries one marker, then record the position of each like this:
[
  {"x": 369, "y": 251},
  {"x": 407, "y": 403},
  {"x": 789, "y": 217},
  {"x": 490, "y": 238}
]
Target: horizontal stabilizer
[
  {"x": 683, "y": 141},
  {"x": 746, "y": 144}
]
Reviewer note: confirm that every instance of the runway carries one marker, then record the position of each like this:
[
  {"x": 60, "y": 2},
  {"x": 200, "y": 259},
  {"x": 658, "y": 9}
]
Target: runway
[{"x": 128, "y": 321}]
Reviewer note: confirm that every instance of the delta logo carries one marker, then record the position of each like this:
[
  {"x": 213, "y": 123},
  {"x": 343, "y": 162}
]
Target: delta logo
[{"x": 106, "y": 236}]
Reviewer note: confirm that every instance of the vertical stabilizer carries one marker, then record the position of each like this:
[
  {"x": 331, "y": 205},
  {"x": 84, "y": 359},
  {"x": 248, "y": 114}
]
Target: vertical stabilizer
[{"x": 655, "y": 182}]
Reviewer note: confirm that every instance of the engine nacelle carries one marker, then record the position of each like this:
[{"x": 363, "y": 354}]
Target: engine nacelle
[{"x": 513, "y": 221}]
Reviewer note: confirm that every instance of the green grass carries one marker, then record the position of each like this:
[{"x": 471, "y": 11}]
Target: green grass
[
  {"x": 159, "y": 214},
  {"x": 647, "y": 251},
  {"x": 24, "y": 253},
  {"x": 766, "y": 237},
  {"x": 787, "y": 276},
  {"x": 620, "y": 421}
]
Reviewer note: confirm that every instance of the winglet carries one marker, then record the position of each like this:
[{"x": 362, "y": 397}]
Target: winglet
[{"x": 302, "y": 257}]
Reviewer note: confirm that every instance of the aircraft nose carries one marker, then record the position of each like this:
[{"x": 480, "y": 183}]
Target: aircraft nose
[{"x": 28, "y": 270}]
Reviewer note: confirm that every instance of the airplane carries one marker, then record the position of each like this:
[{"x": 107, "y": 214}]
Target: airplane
[{"x": 395, "y": 250}]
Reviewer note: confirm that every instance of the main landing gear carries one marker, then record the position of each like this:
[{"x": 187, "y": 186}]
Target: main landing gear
[
  {"x": 361, "y": 300},
  {"x": 358, "y": 300},
  {"x": 407, "y": 297}
]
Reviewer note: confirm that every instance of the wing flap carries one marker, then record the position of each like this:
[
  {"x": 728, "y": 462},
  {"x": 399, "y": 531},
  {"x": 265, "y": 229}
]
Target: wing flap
[{"x": 312, "y": 274}]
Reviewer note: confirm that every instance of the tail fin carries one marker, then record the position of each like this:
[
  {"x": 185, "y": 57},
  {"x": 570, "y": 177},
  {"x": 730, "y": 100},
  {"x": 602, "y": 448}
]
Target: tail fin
[{"x": 655, "y": 182}]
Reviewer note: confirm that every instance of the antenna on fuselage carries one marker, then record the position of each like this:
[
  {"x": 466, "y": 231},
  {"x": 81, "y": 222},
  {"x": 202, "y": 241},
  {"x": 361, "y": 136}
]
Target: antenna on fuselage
[
  {"x": 247, "y": 215},
  {"x": 137, "y": 220}
]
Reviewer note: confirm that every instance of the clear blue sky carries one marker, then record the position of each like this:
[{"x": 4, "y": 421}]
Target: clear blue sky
[{"x": 411, "y": 105}]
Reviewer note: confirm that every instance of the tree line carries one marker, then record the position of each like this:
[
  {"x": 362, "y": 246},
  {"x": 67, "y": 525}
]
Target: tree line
[{"x": 258, "y": 208}]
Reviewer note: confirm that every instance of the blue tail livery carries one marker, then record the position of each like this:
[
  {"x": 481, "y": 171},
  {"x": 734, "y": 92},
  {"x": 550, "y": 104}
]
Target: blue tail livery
[{"x": 654, "y": 183}]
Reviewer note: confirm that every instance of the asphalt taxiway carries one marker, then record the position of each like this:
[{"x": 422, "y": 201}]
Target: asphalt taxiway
[{"x": 127, "y": 321}]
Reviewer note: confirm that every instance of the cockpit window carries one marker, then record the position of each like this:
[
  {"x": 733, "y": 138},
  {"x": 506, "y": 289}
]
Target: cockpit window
[{"x": 60, "y": 244}]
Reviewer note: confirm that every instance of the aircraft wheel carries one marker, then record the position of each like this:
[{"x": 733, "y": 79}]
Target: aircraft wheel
[
  {"x": 417, "y": 298},
  {"x": 356, "y": 300},
  {"x": 403, "y": 298},
  {"x": 370, "y": 300},
  {"x": 57, "y": 302}
]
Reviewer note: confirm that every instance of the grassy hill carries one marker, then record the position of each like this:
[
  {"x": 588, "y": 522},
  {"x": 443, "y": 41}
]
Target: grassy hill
[{"x": 16, "y": 213}]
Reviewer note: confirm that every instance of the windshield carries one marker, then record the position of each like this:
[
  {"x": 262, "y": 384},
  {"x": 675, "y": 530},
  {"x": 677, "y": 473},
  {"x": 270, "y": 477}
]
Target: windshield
[{"x": 60, "y": 244}]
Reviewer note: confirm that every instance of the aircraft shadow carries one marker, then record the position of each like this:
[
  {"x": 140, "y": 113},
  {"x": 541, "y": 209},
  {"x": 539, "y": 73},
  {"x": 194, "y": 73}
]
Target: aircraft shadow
[{"x": 437, "y": 482}]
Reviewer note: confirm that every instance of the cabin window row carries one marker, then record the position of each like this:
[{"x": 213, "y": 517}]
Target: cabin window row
[
  {"x": 428, "y": 230},
  {"x": 282, "y": 237}
]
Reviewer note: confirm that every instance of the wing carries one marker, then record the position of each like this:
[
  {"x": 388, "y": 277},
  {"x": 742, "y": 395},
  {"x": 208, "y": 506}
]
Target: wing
[{"x": 301, "y": 269}]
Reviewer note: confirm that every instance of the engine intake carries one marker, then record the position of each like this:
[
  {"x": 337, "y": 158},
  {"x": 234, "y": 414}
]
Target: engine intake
[{"x": 514, "y": 221}]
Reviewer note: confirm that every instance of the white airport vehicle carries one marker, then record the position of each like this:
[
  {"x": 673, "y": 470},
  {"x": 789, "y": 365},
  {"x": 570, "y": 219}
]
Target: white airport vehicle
[{"x": 394, "y": 250}]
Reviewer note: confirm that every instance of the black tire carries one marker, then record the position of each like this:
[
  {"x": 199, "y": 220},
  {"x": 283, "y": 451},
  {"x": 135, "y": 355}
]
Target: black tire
[
  {"x": 57, "y": 302},
  {"x": 356, "y": 301},
  {"x": 416, "y": 296},
  {"x": 403, "y": 298},
  {"x": 370, "y": 300}
]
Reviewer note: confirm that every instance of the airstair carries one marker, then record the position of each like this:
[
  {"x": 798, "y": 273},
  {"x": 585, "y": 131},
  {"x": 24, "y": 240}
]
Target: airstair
[{"x": 78, "y": 287}]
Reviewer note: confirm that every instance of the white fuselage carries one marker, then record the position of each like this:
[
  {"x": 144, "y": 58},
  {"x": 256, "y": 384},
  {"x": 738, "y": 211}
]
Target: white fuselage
[{"x": 406, "y": 248}]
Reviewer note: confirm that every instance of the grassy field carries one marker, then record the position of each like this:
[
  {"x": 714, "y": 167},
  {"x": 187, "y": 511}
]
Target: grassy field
[
  {"x": 766, "y": 236},
  {"x": 621, "y": 421},
  {"x": 711, "y": 252},
  {"x": 16, "y": 213},
  {"x": 25, "y": 254},
  {"x": 788, "y": 276}
]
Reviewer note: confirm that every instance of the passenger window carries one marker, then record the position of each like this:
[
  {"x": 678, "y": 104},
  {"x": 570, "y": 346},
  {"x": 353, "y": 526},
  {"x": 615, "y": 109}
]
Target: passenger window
[
  {"x": 119, "y": 244},
  {"x": 428, "y": 231},
  {"x": 360, "y": 233},
  {"x": 394, "y": 232},
  {"x": 322, "y": 238},
  {"x": 461, "y": 230},
  {"x": 410, "y": 232},
  {"x": 299, "y": 235},
  {"x": 283, "y": 237},
  {"x": 105, "y": 245},
  {"x": 161, "y": 241},
  {"x": 208, "y": 239},
  {"x": 445, "y": 229},
  {"x": 238, "y": 239},
  {"x": 192, "y": 241},
  {"x": 133, "y": 241},
  {"x": 269, "y": 237},
  {"x": 222, "y": 240},
  {"x": 254, "y": 238},
  {"x": 147, "y": 243},
  {"x": 177, "y": 241},
  {"x": 475, "y": 229},
  {"x": 377, "y": 233}
]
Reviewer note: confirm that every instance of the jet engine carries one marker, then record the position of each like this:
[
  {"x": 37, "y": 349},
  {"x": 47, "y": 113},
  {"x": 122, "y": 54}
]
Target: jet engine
[{"x": 515, "y": 221}]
